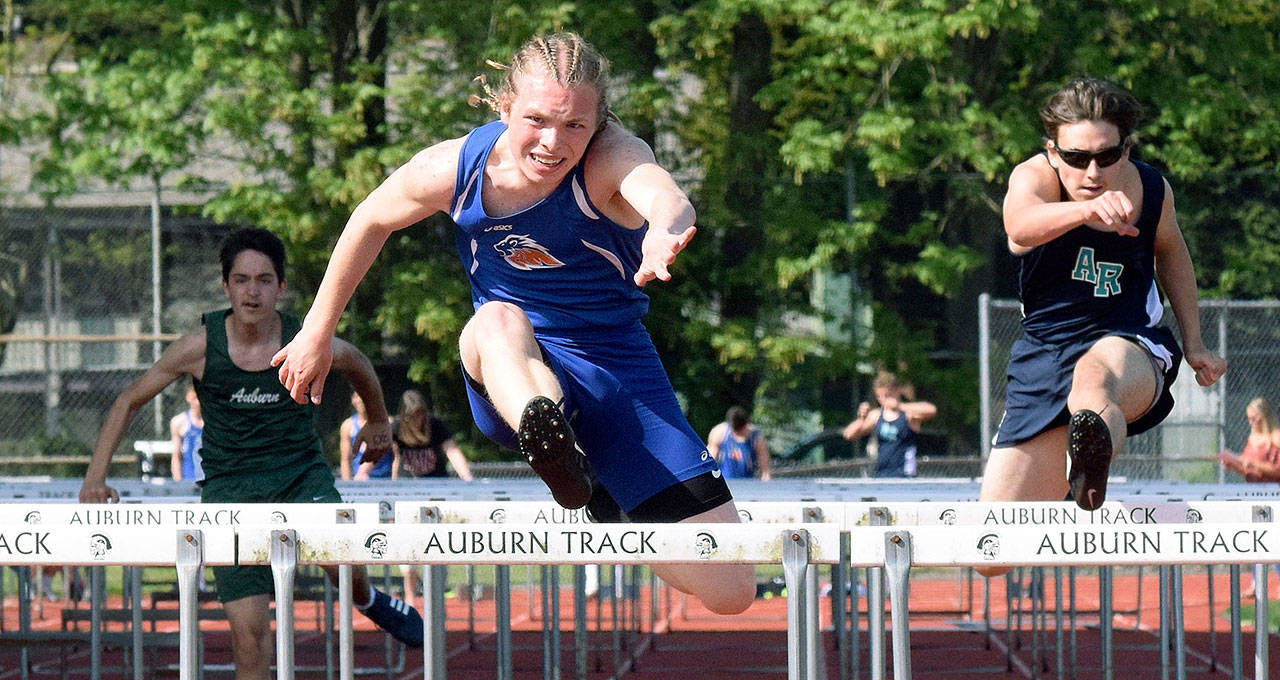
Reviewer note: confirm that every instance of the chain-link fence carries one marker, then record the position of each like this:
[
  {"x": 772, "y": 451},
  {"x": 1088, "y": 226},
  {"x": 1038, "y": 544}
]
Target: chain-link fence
[
  {"x": 1204, "y": 420},
  {"x": 78, "y": 299}
]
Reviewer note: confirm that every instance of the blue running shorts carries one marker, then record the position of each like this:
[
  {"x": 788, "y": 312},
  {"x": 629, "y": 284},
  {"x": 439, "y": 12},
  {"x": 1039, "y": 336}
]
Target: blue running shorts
[{"x": 622, "y": 408}]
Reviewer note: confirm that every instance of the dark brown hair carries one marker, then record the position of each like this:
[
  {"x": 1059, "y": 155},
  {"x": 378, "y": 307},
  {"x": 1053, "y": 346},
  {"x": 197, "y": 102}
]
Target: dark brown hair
[{"x": 1091, "y": 99}]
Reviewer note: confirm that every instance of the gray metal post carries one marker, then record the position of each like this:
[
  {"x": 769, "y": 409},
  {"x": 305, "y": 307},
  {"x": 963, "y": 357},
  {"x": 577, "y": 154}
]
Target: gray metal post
[
  {"x": 1106, "y": 615},
  {"x": 579, "y": 622},
  {"x": 1237, "y": 652},
  {"x": 839, "y": 577},
  {"x": 897, "y": 562},
  {"x": 135, "y": 598},
  {"x": 190, "y": 564},
  {"x": 1261, "y": 623},
  {"x": 434, "y": 654},
  {"x": 795, "y": 568},
  {"x": 1060, "y": 665},
  {"x": 1165, "y": 618},
  {"x": 97, "y": 599},
  {"x": 810, "y": 593},
  {"x": 555, "y": 622},
  {"x": 284, "y": 568},
  {"x": 346, "y": 636},
  {"x": 502, "y": 600},
  {"x": 1179, "y": 634},
  {"x": 984, "y": 372},
  {"x": 875, "y": 605}
]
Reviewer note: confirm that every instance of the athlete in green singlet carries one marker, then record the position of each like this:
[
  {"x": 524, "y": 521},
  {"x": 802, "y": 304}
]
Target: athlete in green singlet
[{"x": 260, "y": 446}]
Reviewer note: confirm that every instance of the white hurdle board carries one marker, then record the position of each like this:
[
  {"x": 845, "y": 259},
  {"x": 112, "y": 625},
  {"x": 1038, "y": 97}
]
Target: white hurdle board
[
  {"x": 199, "y": 515},
  {"x": 959, "y": 545},
  {"x": 1111, "y": 514},
  {"x": 111, "y": 546},
  {"x": 543, "y": 543},
  {"x": 549, "y": 512}
]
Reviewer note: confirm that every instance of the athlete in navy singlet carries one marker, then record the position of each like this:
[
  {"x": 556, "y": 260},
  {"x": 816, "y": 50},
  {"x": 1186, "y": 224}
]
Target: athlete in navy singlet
[
  {"x": 894, "y": 423},
  {"x": 562, "y": 216},
  {"x": 1093, "y": 232}
]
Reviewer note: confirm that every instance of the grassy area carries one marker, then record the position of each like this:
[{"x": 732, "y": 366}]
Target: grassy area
[{"x": 1248, "y": 612}]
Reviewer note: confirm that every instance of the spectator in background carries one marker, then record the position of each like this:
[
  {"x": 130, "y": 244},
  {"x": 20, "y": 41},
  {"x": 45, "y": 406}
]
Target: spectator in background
[
  {"x": 1259, "y": 460},
  {"x": 186, "y": 432},
  {"x": 739, "y": 448},
  {"x": 421, "y": 443},
  {"x": 895, "y": 423},
  {"x": 356, "y": 467}
]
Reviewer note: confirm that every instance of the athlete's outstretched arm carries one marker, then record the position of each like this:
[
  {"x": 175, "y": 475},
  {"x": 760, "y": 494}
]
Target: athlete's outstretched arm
[
  {"x": 184, "y": 356},
  {"x": 1178, "y": 280},
  {"x": 417, "y": 190},
  {"x": 650, "y": 191}
]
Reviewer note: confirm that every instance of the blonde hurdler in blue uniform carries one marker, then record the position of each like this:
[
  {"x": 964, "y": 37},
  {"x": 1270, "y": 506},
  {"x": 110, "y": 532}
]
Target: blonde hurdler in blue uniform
[{"x": 562, "y": 215}]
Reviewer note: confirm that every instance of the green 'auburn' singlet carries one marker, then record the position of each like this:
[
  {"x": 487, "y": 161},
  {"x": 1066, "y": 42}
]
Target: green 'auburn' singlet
[{"x": 251, "y": 424}]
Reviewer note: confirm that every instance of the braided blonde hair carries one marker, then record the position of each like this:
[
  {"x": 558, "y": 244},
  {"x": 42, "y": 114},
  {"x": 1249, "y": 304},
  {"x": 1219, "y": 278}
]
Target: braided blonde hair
[{"x": 565, "y": 56}]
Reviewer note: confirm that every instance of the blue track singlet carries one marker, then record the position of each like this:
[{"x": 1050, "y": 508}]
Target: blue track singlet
[
  {"x": 738, "y": 458},
  {"x": 571, "y": 269},
  {"x": 192, "y": 438}
]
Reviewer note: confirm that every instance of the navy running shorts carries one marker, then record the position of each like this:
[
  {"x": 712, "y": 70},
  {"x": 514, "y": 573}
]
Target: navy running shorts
[{"x": 1039, "y": 380}]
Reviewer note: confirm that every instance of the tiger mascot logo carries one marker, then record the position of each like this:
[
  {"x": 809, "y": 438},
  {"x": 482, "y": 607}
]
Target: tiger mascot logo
[{"x": 524, "y": 253}]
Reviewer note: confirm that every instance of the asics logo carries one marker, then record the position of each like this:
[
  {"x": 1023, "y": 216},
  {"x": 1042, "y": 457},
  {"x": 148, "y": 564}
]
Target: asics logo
[{"x": 526, "y": 254}]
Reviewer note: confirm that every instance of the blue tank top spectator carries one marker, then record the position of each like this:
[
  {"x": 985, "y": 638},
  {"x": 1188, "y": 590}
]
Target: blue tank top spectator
[
  {"x": 895, "y": 423},
  {"x": 738, "y": 447},
  {"x": 351, "y": 453},
  {"x": 186, "y": 433}
]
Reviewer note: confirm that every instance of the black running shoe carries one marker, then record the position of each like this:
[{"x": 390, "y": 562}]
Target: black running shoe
[
  {"x": 546, "y": 442},
  {"x": 1089, "y": 448},
  {"x": 602, "y": 509},
  {"x": 393, "y": 615}
]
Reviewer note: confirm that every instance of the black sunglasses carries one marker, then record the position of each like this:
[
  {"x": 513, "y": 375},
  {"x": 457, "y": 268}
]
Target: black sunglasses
[{"x": 1081, "y": 159}]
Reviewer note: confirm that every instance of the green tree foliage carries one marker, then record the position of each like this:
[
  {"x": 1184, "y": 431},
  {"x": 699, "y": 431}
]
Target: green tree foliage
[{"x": 817, "y": 137}]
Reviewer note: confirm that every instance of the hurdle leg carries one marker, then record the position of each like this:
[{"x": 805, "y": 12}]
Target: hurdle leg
[
  {"x": 190, "y": 564},
  {"x": 434, "y": 653},
  {"x": 284, "y": 567},
  {"x": 897, "y": 551},
  {"x": 840, "y": 574},
  {"x": 1179, "y": 633},
  {"x": 1237, "y": 651},
  {"x": 1057, "y": 617},
  {"x": 875, "y": 621},
  {"x": 579, "y": 622},
  {"x": 795, "y": 567},
  {"x": 1164, "y": 620},
  {"x": 1261, "y": 625},
  {"x": 1106, "y": 615},
  {"x": 502, "y": 600}
]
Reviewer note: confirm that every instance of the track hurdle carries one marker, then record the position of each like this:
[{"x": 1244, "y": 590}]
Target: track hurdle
[
  {"x": 188, "y": 549},
  {"x": 1074, "y": 541},
  {"x": 795, "y": 547},
  {"x": 549, "y": 513},
  {"x": 107, "y": 521}
]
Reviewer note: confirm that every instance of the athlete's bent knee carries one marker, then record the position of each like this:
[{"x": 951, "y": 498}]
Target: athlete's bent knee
[{"x": 732, "y": 596}]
